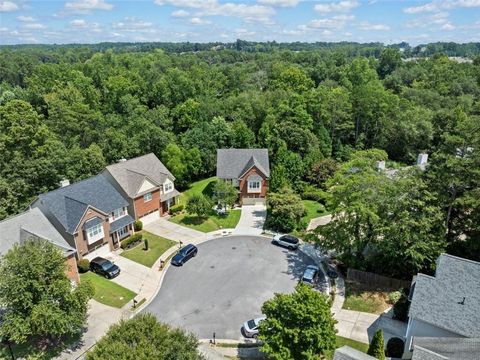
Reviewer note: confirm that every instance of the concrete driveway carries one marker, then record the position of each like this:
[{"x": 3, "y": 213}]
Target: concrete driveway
[
  {"x": 226, "y": 284},
  {"x": 252, "y": 220},
  {"x": 169, "y": 230}
]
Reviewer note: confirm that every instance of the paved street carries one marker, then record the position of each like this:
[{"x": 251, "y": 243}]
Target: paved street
[{"x": 226, "y": 284}]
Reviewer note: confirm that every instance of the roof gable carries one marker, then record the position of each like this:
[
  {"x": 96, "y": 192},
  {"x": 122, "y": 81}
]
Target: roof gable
[
  {"x": 130, "y": 174},
  {"x": 147, "y": 185},
  {"x": 234, "y": 163}
]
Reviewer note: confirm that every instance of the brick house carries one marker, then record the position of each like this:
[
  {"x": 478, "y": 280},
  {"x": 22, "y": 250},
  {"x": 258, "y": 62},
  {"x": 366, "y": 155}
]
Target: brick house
[
  {"x": 32, "y": 224},
  {"x": 246, "y": 169},
  {"x": 147, "y": 185},
  {"x": 88, "y": 214}
]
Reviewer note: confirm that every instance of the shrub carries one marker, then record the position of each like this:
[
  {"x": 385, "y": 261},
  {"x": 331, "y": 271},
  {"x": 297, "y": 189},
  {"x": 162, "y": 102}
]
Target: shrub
[
  {"x": 376, "y": 348},
  {"x": 175, "y": 209},
  {"x": 395, "y": 347},
  {"x": 138, "y": 225},
  {"x": 394, "y": 296},
  {"x": 400, "y": 309},
  {"x": 145, "y": 243},
  {"x": 83, "y": 265},
  {"x": 131, "y": 241}
]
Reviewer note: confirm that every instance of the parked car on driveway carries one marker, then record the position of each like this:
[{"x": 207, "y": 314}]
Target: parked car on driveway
[
  {"x": 331, "y": 272},
  {"x": 310, "y": 275},
  {"x": 289, "y": 241},
  {"x": 250, "y": 327},
  {"x": 184, "y": 254},
  {"x": 104, "y": 267}
]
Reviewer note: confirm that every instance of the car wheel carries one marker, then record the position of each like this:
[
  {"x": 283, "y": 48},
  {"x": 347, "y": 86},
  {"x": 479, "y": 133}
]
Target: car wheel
[
  {"x": 254, "y": 336},
  {"x": 274, "y": 242},
  {"x": 194, "y": 254},
  {"x": 291, "y": 248}
]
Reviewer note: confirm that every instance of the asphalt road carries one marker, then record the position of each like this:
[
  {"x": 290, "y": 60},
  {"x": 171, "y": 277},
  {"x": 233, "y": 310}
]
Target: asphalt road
[{"x": 226, "y": 284}]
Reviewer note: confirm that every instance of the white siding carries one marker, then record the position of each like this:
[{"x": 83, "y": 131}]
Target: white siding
[{"x": 422, "y": 329}]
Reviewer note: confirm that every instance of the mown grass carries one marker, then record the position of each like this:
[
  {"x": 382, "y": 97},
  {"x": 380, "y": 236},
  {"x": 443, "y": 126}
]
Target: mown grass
[
  {"x": 156, "y": 247},
  {"x": 108, "y": 292},
  {"x": 211, "y": 223}
]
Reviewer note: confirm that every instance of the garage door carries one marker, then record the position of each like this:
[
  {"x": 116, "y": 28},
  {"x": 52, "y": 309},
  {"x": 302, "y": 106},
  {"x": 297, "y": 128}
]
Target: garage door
[
  {"x": 147, "y": 219},
  {"x": 253, "y": 201}
]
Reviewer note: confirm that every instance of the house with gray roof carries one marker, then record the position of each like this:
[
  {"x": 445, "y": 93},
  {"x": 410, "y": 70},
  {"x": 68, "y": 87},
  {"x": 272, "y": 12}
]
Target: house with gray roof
[
  {"x": 246, "y": 169},
  {"x": 33, "y": 224},
  {"x": 147, "y": 185},
  {"x": 446, "y": 305},
  {"x": 88, "y": 214}
]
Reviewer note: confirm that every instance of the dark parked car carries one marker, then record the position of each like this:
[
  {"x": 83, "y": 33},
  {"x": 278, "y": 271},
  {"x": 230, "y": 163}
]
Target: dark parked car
[
  {"x": 184, "y": 254},
  {"x": 331, "y": 272},
  {"x": 310, "y": 275},
  {"x": 288, "y": 241},
  {"x": 104, "y": 267}
]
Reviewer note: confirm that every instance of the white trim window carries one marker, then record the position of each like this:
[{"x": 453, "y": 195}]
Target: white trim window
[
  {"x": 94, "y": 233},
  {"x": 167, "y": 186},
  {"x": 118, "y": 213},
  {"x": 147, "y": 197},
  {"x": 254, "y": 186},
  {"x": 123, "y": 232}
]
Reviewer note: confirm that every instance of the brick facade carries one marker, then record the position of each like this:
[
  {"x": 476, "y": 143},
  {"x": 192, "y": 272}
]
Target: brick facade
[
  {"x": 81, "y": 236},
  {"x": 143, "y": 208},
  {"x": 243, "y": 185},
  {"x": 72, "y": 271}
]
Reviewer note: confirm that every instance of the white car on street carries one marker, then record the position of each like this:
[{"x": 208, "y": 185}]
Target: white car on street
[{"x": 250, "y": 328}]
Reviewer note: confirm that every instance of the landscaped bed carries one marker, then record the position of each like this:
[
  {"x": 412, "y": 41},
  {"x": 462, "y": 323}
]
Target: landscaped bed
[
  {"x": 211, "y": 223},
  {"x": 360, "y": 297},
  {"x": 156, "y": 247},
  {"x": 108, "y": 292}
]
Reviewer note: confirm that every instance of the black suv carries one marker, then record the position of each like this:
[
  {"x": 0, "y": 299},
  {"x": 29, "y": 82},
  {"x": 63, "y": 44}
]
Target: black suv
[
  {"x": 184, "y": 254},
  {"x": 104, "y": 267}
]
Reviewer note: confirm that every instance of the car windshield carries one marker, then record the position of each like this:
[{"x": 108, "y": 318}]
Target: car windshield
[
  {"x": 289, "y": 239},
  {"x": 106, "y": 265},
  {"x": 251, "y": 324},
  {"x": 184, "y": 250}
]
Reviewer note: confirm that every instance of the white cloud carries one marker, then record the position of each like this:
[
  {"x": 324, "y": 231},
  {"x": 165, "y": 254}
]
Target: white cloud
[
  {"x": 7, "y": 6},
  {"x": 25, "y": 18},
  {"x": 78, "y": 23},
  {"x": 244, "y": 33},
  {"x": 439, "y": 5},
  {"x": 279, "y": 3},
  {"x": 133, "y": 24},
  {"x": 345, "y": 5},
  {"x": 3, "y": 29},
  {"x": 335, "y": 22},
  {"x": 180, "y": 13},
  {"x": 430, "y": 20},
  {"x": 365, "y": 25},
  {"x": 34, "y": 26},
  {"x": 196, "y": 4},
  {"x": 448, "y": 26},
  {"x": 88, "y": 5},
  {"x": 199, "y": 21}
]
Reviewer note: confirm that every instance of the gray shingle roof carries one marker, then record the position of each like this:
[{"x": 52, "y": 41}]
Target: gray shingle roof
[
  {"x": 348, "y": 353},
  {"x": 120, "y": 223},
  {"x": 92, "y": 222},
  {"x": 232, "y": 163},
  {"x": 130, "y": 174},
  {"x": 68, "y": 204},
  {"x": 426, "y": 348},
  {"x": 437, "y": 300},
  {"x": 29, "y": 224}
]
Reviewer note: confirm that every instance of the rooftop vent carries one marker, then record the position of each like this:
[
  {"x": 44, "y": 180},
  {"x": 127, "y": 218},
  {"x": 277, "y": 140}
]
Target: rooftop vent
[{"x": 64, "y": 182}]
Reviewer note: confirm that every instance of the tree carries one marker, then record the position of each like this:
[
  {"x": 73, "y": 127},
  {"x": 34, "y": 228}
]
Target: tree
[
  {"x": 224, "y": 193},
  {"x": 144, "y": 338},
  {"x": 322, "y": 171},
  {"x": 298, "y": 326},
  {"x": 285, "y": 210},
  {"x": 37, "y": 295},
  {"x": 390, "y": 59},
  {"x": 395, "y": 347},
  {"x": 376, "y": 347},
  {"x": 198, "y": 205}
]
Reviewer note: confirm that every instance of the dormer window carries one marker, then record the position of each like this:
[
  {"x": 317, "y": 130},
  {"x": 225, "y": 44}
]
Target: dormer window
[{"x": 168, "y": 187}]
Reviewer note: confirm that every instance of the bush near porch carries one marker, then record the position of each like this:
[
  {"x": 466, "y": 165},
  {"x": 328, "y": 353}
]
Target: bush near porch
[
  {"x": 156, "y": 247},
  {"x": 108, "y": 292}
]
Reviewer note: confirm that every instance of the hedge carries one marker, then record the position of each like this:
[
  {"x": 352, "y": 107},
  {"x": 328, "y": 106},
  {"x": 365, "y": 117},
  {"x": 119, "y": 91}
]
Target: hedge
[
  {"x": 131, "y": 241},
  {"x": 138, "y": 225},
  {"x": 175, "y": 209},
  {"x": 83, "y": 265}
]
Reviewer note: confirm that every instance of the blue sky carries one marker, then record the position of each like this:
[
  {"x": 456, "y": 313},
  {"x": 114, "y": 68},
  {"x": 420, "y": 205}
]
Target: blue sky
[{"x": 91, "y": 21}]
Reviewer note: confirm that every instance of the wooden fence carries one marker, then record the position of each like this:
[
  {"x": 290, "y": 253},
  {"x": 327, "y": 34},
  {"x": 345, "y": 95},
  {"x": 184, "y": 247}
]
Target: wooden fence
[{"x": 375, "y": 280}]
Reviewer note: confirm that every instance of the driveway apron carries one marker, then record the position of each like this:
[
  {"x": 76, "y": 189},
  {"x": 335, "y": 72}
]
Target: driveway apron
[{"x": 252, "y": 220}]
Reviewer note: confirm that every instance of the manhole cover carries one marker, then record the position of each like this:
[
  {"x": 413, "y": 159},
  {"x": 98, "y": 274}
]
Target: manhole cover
[
  {"x": 234, "y": 248},
  {"x": 212, "y": 267}
]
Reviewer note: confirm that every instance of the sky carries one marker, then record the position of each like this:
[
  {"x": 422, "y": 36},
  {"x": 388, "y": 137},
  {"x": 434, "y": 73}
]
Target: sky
[{"x": 93, "y": 21}]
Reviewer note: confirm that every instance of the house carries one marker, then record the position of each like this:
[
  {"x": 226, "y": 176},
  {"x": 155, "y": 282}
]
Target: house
[
  {"x": 32, "y": 224},
  {"x": 246, "y": 169},
  {"x": 88, "y": 214},
  {"x": 446, "y": 305},
  {"x": 147, "y": 185},
  {"x": 349, "y": 353},
  {"x": 448, "y": 348}
]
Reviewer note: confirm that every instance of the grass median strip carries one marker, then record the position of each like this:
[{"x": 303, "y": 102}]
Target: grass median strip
[
  {"x": 108, "y": 292},
  {"x": 156, "y": 247}
]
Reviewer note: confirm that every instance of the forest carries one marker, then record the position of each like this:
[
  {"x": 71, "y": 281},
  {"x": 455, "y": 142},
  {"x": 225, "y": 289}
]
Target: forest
[{"x": 67, "y": 111}]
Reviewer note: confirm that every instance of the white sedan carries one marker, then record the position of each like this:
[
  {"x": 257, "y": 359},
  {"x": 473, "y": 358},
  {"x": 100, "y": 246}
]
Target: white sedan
[{"x": 250, "y": 328}]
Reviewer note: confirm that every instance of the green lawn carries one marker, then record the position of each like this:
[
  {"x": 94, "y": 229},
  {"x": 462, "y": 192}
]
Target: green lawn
[
  {"x": 107, "y": 292},
  {"x": 341, "y": 341},
  {"x": 312, "y": 210},
  {"x": 212, "y": 223},
  {"x": 204, "y": 187},
  {"x": 361, "y": 298},
  {"x": 156, "y": 247}
]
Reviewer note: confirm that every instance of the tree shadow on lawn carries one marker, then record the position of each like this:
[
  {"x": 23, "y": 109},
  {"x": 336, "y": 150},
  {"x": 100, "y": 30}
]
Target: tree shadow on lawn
[
  {"x": 193, "y": 220},
  {"x": 208, "y": 190}
]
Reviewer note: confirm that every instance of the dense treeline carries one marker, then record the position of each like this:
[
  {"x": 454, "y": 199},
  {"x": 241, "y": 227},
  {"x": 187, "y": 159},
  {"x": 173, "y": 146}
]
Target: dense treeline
[{"x": 67, "y": 111}]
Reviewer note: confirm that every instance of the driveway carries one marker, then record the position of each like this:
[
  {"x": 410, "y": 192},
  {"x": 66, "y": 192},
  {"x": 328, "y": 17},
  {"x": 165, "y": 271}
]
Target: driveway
[
  {"x": 169, "y": 230},
  {"x": 226, "y": 284},
  {"x": 252, "y": 220}
]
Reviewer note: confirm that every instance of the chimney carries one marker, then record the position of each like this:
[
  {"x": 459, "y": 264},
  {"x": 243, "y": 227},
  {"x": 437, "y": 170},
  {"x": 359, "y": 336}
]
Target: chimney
[
  {"x": 64, "y": 182},
  {"x": 422, "y": 159},
  {"x": 122, "y": 160},
  {"x": 381, "y": 165}
]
